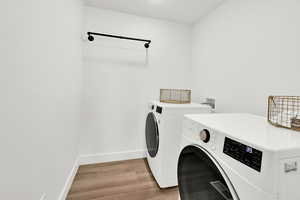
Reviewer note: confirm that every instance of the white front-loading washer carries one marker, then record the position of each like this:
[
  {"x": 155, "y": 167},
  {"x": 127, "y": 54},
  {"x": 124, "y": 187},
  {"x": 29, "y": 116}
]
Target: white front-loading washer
[
  {"x": 237, "y": 157},
  {"x": 163, "y": 135}
]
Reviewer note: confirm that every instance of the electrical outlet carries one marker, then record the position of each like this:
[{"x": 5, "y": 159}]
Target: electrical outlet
[
  {"x": 290, "y": 167},
  {"x": 43, "y": 197}
]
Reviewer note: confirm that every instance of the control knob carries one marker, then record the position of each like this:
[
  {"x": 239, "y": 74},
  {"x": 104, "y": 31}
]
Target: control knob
[{"x": 204, "y": 135}]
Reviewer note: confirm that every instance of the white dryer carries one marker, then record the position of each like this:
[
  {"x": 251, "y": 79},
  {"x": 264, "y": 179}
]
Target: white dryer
[
  {"x": 163, "y": 135},
  {"x": 237, "y": 157}
]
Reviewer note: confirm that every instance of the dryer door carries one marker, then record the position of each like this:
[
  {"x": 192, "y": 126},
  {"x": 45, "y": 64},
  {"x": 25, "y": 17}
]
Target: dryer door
[
  {"x": 201, "y": 178},
  {"x": 152, "y": 135}
]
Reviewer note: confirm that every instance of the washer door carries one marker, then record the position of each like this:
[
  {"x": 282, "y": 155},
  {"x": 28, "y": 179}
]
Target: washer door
[
  {"x": 201, "y": 178},
  {"x": 152, "y": 135}
]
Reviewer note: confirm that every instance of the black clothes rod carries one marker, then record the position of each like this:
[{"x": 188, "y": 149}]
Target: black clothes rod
[{"x": 91, "y": 38}]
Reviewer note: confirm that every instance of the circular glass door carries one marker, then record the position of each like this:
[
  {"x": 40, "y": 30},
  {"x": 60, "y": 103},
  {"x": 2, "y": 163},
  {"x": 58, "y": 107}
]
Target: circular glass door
[
  {"x": 199, "y": 178},
  {"x": 152, "y": 135}
]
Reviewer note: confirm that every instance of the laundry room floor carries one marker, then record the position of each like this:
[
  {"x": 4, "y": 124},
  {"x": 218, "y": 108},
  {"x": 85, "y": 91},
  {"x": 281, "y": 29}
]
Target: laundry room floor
[{"x": 122, "y": 180}]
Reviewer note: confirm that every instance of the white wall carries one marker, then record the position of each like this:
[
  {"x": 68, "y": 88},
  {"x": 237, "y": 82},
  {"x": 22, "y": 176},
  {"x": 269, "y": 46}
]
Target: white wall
[
  {"x": 40, "y": 75},
  {"x": 245, "y": 51},
  {"x": 242, "y": 52},
  {"x": 120, "y": 77}
]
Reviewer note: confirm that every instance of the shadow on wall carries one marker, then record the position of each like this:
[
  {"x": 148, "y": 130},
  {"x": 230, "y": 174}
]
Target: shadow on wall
[{"x": 116, "y": 52}]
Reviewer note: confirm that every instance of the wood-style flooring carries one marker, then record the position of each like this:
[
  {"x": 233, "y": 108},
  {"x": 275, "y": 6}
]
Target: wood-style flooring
[{"x": 123, "y": 180}]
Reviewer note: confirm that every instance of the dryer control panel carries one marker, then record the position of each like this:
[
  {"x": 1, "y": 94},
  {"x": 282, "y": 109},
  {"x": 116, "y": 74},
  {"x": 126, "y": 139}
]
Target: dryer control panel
[
  {"x": 159, "y": 109},
  {"x": 243, "y": 153}
]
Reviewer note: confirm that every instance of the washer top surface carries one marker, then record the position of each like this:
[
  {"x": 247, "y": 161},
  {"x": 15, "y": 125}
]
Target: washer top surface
[
  {"x": 173, "y": 105},
  {"x": 251, "y": 129}
]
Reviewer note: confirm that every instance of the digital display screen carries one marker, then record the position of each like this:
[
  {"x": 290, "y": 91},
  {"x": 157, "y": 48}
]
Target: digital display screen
[
  {"x": 245, "y": 154},
  {"x": 159, "y": 109},
  {"x": 248, "y": 149}
]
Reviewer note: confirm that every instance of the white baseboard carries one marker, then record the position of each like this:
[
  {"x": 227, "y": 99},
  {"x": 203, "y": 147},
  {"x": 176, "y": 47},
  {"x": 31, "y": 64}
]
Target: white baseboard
[
  {"x": 97, "y": 158},
  {"x": 69, "y": 181},
  {"x": 110, "y": 157}
]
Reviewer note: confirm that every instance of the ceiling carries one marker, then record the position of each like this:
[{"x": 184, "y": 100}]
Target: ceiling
[{"x": 183, "y": 11}]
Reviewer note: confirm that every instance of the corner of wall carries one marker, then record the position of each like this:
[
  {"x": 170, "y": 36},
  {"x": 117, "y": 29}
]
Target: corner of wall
[{"x": 69, "y": 181}]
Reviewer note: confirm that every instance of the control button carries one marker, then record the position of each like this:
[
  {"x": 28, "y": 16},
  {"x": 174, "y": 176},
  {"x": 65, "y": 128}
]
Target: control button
[{"x": 204, "y": 135}]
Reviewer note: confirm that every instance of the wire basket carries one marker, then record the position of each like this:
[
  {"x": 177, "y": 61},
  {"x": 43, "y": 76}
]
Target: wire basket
[
  {"x": 284, "y": 111},
  {"x": 177, "y": 96}
]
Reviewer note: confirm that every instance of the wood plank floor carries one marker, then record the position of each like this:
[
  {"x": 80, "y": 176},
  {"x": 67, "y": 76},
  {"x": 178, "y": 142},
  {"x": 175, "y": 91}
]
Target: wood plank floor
[{"x": 123, "y": 180}]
